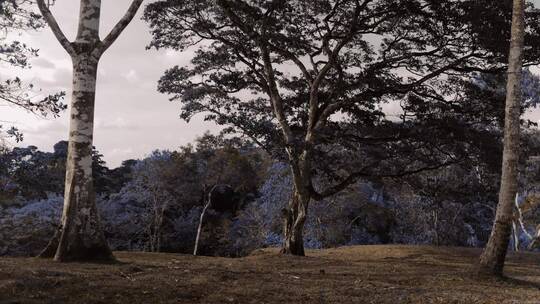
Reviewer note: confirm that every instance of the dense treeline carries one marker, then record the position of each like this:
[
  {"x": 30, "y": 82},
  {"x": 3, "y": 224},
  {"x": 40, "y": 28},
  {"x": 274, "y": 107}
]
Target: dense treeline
[
  {"x": 154, "y": 204},
  {"x": 159, "y": 188}
]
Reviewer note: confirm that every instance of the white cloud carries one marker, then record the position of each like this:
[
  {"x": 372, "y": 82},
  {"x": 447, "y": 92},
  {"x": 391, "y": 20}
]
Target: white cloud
[
  {"x": 43, "y": 63},
  {"x": 131, "y": 76},
  {"x": 117, "y": 123},
  {"x": 122, "y": 152}
]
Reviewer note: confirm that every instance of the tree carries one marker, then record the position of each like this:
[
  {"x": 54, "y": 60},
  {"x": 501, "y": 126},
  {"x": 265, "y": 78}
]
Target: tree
[
  {"x": 80, "y": 236},
  {"x": 226, "y": 168},
  {"x": 201, "y": 219},
  {"x": 16, "y": 15},
  {"x": 30, "y": 174},
  {"x": 493, "y": 257},
  {"x": 155, "y": 180},
  {"x": 306, "y": 80}
]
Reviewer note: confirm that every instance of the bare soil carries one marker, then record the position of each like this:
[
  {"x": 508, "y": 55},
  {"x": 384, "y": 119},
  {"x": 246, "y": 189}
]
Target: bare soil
[{"x": 362, "y": 274}]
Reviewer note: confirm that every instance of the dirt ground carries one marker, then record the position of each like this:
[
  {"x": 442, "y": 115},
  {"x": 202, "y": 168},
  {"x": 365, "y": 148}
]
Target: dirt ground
[{"x": 362, "y": 274}]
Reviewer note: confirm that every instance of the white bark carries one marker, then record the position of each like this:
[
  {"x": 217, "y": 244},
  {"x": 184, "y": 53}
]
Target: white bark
[
  {"x": 199, "y": 229},
  {"x": 80, "y": 236}
]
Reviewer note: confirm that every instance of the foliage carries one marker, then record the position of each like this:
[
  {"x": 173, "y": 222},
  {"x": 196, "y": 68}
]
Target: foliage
[
  {"x": 16, "y": 16},
  {"x": 335, "y": 59},
  {"x": 310, "y": 83},
  {"x": 166, "y": 191},
  {"x": 30, "y": 174},
  {"x": 25, "y": 229},
  {"x": 450, "y": 206}
]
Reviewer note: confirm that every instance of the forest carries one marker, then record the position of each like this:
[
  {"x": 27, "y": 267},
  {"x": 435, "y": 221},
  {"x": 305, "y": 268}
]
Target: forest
[{"x": 363, "y": 151}]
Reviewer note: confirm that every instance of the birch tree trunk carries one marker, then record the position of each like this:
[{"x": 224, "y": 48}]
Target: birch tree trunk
[
  {"x": 80, "y": 236},
  {"x": 494, "y": 255}
]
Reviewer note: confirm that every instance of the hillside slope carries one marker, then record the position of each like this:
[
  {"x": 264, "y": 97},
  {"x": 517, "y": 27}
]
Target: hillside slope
[{"x": 362, "y": 274}]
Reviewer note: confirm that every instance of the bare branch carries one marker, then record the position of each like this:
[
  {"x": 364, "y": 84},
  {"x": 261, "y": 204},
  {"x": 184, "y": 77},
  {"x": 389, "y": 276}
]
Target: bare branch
[
  {"x": 273, "y": 91},
  {"x": 51, "y": 21},
  {"x": 354, "y": 177},
  {"x": 119, "y": 27}
]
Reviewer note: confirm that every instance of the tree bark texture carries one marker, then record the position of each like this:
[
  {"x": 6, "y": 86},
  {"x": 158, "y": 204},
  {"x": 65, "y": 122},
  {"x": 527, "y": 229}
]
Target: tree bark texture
[
  {"x": 494, "y": 255},
  {"x": 294, "y": 218}
]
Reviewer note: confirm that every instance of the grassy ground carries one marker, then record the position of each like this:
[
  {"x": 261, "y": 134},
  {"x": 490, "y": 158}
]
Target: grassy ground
[{"x": 363, "y": 274}]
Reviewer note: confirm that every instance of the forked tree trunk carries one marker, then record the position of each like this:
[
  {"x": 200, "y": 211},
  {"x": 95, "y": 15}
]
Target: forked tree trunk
[
  {"x": 294, "y": 218},
  {"x": 80, "y": 236},
  {"x": 494, "y": 255}
]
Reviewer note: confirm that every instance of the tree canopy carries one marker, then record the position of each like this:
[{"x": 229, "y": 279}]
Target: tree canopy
[{"x": 319, "y": 76}]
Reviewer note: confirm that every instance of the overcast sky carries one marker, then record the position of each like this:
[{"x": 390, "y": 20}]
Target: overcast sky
[{"x": 132, "y": 118}]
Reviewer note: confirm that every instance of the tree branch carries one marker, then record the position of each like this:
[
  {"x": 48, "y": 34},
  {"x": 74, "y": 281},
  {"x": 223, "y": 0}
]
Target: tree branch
[
  {"x": 353, "y": 178},
  {"x": 273, "y": 90},
  {"x": 119, "y": 27},
  {"x": 51, "y": 21}
]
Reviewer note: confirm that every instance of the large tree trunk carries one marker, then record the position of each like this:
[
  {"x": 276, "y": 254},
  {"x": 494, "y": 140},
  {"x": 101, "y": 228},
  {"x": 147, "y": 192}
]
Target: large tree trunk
[
  {"x": 80, "y": 236},
  {"x": 294, "y": 218},
  {"x": 494, "y": 255}
]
